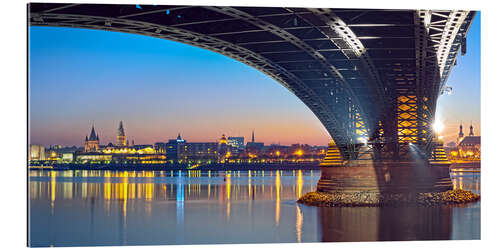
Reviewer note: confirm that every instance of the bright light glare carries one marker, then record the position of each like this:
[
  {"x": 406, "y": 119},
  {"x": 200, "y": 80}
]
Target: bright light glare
[
  {"x": 363, "y": 140},
  {"x": 438, "y": 126}
]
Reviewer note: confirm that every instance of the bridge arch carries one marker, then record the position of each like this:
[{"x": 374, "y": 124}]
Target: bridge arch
[{"x": 327, "y": 58}]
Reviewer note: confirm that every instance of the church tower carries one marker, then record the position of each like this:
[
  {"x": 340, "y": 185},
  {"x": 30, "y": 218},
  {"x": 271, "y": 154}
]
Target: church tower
[
  {"x": 92, "y": 141},
  {"x": 460, "y": 134},
  {"x": 471, "y": 132},
  {"x": 120, "y": 138},
  {"x": 253, "y": 137}
]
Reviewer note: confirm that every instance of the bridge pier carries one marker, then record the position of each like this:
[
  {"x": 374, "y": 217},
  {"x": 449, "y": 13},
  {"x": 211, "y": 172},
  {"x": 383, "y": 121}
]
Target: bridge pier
[{"x": 384, "y": 178}]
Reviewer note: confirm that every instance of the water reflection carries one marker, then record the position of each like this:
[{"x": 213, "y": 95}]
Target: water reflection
[
  {"x": 85, "y": 207},
  {"x": 405, "y": 223},
  {"x": 155, "y": 185},
  {"x": 298, "y": 223},
  {"x": 385, "y": 223}
]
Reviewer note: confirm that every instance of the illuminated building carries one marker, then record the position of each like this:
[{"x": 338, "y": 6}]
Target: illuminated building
[
  {"x": 139, "y": 154},
  {"x": 176, "y": 150},
  {"x": 37, "y": 152},
  {"x": 138, "y": 149},
  {"x": 67, "y": 157},
  {"x": 52, "y": 155},
  {"x": 300, "y": 149},
  {"x": 470, "y": 148},
  {"x": 201, "y": 152},
  {"x": 160, "y": 147},
  {"x": 254, "y": 147},
  {"x": 92, "y": 142},
  {"x": 275, "y": 150},
  {"x": 120, "y": 138},
  {"x": 223, "y": 148},
  {"x": 236, "y": 142},
  {"x": 93, "y": 157}
]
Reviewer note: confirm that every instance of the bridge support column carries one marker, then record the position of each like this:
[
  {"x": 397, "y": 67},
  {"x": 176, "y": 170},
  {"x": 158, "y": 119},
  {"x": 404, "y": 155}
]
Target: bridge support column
[
  {"x": 332, "y": 157},
  {"x": 384, "y": 178},
  {"x": 438, "y": 156}
]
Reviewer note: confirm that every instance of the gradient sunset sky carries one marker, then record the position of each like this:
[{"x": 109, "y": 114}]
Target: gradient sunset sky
[{"x": 159, "y": 88}]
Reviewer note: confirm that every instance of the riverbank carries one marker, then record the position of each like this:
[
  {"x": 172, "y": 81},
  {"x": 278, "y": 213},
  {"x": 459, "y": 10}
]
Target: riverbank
[
  {"x": 372, "y": 199},
  {"x": 466, "y": 164},
  {"x": 176, "y": 167}
]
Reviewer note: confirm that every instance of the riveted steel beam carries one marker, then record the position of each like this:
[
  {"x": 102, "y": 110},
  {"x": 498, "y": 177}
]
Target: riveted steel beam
[{"x": 333, "y": 73}]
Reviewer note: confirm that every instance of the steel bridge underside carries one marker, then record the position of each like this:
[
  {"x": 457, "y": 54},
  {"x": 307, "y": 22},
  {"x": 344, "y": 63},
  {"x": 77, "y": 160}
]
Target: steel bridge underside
[{"x": 372, "y": 77}]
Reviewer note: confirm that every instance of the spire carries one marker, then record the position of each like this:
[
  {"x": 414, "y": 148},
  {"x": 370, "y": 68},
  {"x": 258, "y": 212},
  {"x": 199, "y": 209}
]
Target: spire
[
  {"x": 471, "y": 133},
  {"x": 179, "y": 136},
  {"x": 253, "y": 136},
  {"x": 461, "y": 133},
  {"x": 86, "y": 138},
  {"x": 93, "y": 136},
  {"x": 121, "y": 131}
]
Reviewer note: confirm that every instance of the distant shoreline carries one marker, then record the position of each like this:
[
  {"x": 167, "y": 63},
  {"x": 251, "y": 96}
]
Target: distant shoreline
[
  {"x": 176, "y": 167},
  {"x": 472, "y": 164}
]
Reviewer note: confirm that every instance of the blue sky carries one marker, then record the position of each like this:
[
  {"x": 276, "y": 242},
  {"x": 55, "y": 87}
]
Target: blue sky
[
  {"x": 159, "y": 88},
  {"x": 464, "y": 103}
]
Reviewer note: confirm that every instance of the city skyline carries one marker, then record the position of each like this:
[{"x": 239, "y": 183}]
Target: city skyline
[
  {"x": 129, "y": 140},
  {"x": 79, "y": 77}
]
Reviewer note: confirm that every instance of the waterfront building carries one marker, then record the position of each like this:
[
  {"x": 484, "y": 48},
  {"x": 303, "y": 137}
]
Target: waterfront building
[
  {"x": 93, "y": 157},
  {"x": 470, "y": 147},
  {"x": 223, "y": 148},
  {"x": 92, "y": 141},
  {"x": 37, "y": 152},
  {"x": 254, "y": 147},
  {"x": 121, "y": 140},
  {"x": 139, "y": 154},
  {"x": 467, "y": 148},
  {"x": 160, "y": 148},
  {"x": 176, "y": 150},
  {"x": 202, "y": 152},
  {"x": 278, "y": 151},
  {"x": 52, "y": 155},
  {"x": 236, "y": 142},
  {"x": 67, "y": 157},
  {"x": 137, "y": 149},
  {"x": 299, "y": 150}
]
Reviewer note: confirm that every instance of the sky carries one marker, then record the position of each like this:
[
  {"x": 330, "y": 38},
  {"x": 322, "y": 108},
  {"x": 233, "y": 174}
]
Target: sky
[
  {"x": 463, "y": 105},
  {"x": 160, "y": 88}
]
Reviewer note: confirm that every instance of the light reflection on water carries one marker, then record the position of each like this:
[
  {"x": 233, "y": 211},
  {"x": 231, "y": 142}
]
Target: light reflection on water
[{"x": 84, "y": 207}]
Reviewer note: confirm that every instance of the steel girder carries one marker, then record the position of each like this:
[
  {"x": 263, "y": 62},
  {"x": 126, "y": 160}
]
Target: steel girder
[{"x": 350, "y": 67}]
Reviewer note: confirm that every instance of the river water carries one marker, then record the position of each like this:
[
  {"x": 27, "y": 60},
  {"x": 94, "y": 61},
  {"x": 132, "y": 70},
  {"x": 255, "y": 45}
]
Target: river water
[{"x": 100, "y": 208}]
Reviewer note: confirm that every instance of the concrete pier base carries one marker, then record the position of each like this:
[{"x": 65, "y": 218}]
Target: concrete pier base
[{"x": 384, "y": 178}]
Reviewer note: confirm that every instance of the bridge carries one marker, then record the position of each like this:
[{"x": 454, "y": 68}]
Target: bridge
[{"x": 372, "y": 77}]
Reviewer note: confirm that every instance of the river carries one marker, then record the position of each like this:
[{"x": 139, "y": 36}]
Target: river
[{"x": 101, "y": 208}]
